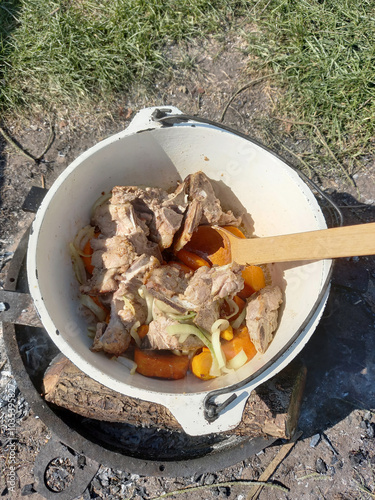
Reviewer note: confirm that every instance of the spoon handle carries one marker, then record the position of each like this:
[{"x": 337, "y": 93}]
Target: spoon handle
[{"x": 344, "y": 241}]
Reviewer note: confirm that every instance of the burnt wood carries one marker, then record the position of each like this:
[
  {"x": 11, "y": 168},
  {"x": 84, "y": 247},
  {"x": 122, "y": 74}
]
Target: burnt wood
[{"x": 272, "y": 409}]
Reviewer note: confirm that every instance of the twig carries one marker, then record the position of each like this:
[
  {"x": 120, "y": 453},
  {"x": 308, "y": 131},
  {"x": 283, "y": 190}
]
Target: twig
[
  {"x": 283, "y": 452},
  {"x": 323, "y": 141},
  {"x": 248, "y": 85},
  {"x": 365, "y": 490},
  {"x": 218, "y": 485},
  {"x": 13, "y": 143},
  {"x": 49, "y": 142}
]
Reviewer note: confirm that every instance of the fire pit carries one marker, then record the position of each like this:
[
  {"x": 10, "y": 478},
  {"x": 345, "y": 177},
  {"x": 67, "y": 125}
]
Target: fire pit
[{"x": 84, "y": 443}]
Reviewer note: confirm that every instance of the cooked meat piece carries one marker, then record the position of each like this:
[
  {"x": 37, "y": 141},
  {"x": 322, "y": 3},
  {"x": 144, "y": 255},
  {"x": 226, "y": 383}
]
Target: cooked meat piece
[
  {"x": 135, "y": 306},
  {"x": 167, "y": 280},
  {"x": 114, "y": 339},
  {"x": 140, "y": 269},
  {"x": 102, "y": 219},
  {"x": 159, "y": 338},
  {"x": 102, "y": 281},
  {"x": 204, "y": 208},
  {"x": 163, "y": 213},
  {"x": 150, "y": 196},
  {"x": 112, "y": 252},
  {"x": 211, "y": 284},
  {"x": 207, "y": 315},
  {"x": 261, "y": 316},
  {"x": 165, "y": 224}
]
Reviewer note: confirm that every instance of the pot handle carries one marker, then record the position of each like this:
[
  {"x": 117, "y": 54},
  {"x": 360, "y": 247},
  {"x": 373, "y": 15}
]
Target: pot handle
[
  {"x": 144, "y": 119},
  {"x": 221, "y": 415}
]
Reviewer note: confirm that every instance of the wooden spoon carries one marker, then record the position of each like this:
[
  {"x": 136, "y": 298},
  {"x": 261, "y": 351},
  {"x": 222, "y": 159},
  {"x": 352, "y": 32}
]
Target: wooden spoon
[{"x": 344, "y": 241}]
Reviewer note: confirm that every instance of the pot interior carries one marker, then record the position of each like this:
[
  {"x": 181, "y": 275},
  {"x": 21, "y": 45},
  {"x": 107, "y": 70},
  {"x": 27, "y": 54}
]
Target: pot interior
[{"x": 245, "y": 176}]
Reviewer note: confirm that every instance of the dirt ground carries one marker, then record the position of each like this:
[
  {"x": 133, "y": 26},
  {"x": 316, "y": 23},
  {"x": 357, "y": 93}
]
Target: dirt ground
[{"x": 335, "y": 456}]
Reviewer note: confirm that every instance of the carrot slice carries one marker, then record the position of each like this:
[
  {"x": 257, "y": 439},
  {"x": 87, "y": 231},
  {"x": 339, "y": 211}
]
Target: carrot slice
[
  {"x": 191, "y": 259},
  {"x": 201, "y": 365},
  {"x": 181, "y": 266},
  {"x": 87, "y": 250},
  {"x": 142, "y": 331},
  {"x": 254, "y": 281},
  {"x": 161, "y": 364},
  {"x": 241, "y": 340}
]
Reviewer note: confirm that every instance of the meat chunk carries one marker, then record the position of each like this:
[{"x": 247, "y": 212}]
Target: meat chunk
[
  {"x": 159, "y": 338},
  {"x": 262, "y": 315},
  {"x": 168, "y": 284},
  {"x": 115, "y": 338},
  {"x": 162, "y": 212},
  {"x": 112, "y": 252},
  {"x": 210, "y": 284},
  {"x": 207, "y": 315},
  {"x": 204, "y": 208},
  {"x": 102, "y": 281}
]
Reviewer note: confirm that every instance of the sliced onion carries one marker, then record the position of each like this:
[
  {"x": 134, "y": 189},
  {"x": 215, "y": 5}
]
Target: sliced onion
[
  {"x": 128, "y": 304},
  {"x": 238, "y": 321},
  {"x": 233, "y": 307},
  {"x": 214, "y": 370},
  {"x": 164, "y": 308},
  {"x": 239, "y": 360},
  {"x": 220, "y": 324},
  {"x": 182, "y": 317},
  {"x": 78, "y": 266},
  {"x": 102, "y": 199},
  {"x": 91, "y": 332},
  {"x": 142, "y": 291},
  {"x": 218, "y": 353},
  {"x": 182, "y": 329},
  {"x": 82, "y": 237},
  {"x": 129, "y": 363},
  {"x": 90, "y": 304},
  {"x": 134, "y": 333}
]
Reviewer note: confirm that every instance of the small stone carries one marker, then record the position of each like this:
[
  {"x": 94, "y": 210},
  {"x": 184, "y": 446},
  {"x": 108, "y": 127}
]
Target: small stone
[
  {"x": 363, "y": 424},
  {"x": 320, "y": 466},
  {"x": 210, "y": 479},
  {"x": 370, "y": 431},
  {"x": 314, "y": 440}
]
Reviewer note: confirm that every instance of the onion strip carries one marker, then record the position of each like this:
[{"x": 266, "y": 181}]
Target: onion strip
[
  {"x": 234, "y": 307},
  {"x": 239, "y": 360},
  {"x": 102, "y": 199},
  {"x": 128, "y": 363},
  {"x": 144, "y": 294},
  {"x": 82, "y": 237},
  {"x": 78, "y": 266},
  {"x": 134, "y": 333},
  {"x": 94, "y": 308},
  {"x": 238, "y": 321},
  {"x": 182, "y": 329}
]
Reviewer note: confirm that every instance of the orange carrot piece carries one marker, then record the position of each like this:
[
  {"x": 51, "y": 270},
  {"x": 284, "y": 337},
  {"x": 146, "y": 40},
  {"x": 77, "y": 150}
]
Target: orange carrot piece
[
  {"x": 201, "y": 365},
  {"x": 161, "y": 364},
  {"x": 180, "y": 265},
  {"x": 87, "y": 250},
  {"x": 254, "y": 281},
  {"x": 191, "y": 259},
  {"x": 241, "y": 340},
  {"x": 142, "y": 331}
]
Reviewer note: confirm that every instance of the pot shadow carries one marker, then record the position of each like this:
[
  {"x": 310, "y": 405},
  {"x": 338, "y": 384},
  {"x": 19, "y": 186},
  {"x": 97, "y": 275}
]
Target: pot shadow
[{"x": 339, "y": 357}]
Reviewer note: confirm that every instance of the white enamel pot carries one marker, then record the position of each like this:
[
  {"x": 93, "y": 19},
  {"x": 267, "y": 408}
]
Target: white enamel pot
[{"x": 245, "y": 176}]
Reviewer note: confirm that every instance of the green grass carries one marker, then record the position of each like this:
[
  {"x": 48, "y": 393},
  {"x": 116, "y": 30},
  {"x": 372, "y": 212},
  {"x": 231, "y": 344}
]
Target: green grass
[
  {"x": 63, "y": 52},
  {"x": 323, "y": 55}
]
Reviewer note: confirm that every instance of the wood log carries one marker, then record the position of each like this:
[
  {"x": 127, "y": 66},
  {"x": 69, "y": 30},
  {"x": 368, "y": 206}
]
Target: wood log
[{"x": 272, "y": 409}]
